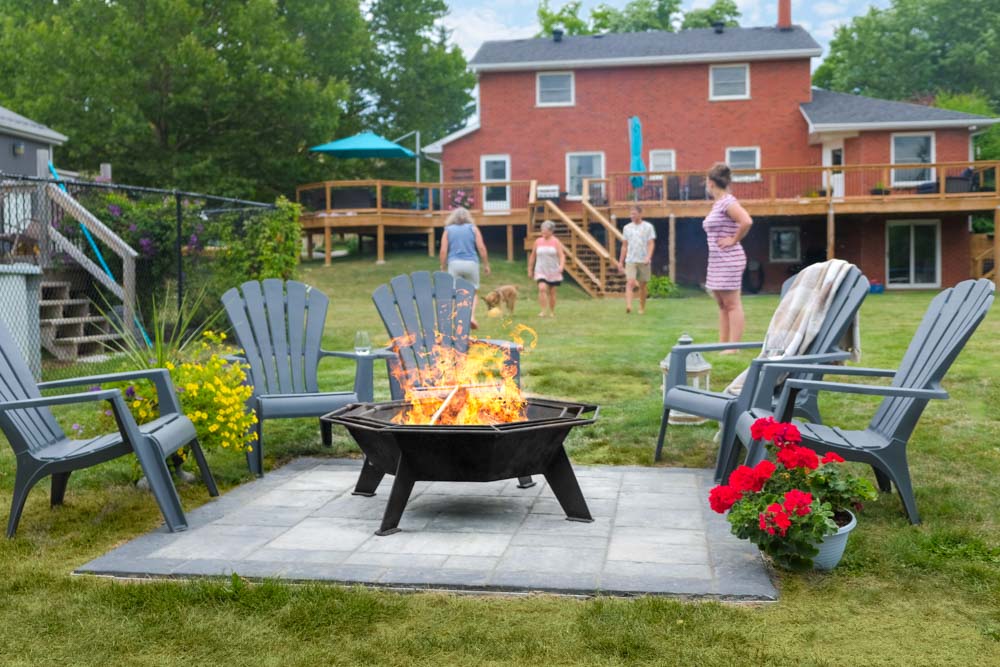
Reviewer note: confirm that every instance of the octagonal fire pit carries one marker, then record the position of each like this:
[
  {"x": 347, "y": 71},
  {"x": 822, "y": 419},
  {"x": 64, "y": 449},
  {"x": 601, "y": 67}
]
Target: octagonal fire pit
[{"x": 444, "y": 453}]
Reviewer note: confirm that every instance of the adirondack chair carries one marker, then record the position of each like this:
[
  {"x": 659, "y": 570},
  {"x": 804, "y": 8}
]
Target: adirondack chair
[
  {"x": 42, "y": 448},
  {"x": 279, "y": 326},
  {"x": 423, "y": 313},
  {"x": 950, "y": 321},
  {"x": 726, "y": 408}
]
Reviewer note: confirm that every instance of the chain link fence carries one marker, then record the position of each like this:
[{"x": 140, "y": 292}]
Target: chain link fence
[{"x": 78, "y": 260}]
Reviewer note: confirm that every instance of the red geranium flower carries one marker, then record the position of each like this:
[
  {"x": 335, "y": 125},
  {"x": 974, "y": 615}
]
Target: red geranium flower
[
  {"x": 833, "y": 457},
  {"x": 722, "y": 497},
  {"x": 786, "y": 434},
  {"x": 793, "y": 456},
  {"x": 751, "y": 479},
  {"x": 775, "y": 520},
  {"x": 764, "y": 470},
  {"x": 762, "y": 428},
  {"x": 797, "y": 502}
]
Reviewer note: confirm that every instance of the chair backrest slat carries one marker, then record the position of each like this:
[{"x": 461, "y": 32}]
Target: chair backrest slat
[
  {"x": 27, "y": 430},
  {"x": 274, "y": 305},
  {"x": 253, "y": 296},
  {"x": 317, "y": 304},
  {"x": 950, "y": 321},
  {"x": 423, "y": 295},
  {"x": 444, "y": 295},
  {"x": 296, "y": 298}
]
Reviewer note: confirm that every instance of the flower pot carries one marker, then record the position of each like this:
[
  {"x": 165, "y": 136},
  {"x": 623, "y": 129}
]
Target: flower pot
[{"x": 831, "y": 549}]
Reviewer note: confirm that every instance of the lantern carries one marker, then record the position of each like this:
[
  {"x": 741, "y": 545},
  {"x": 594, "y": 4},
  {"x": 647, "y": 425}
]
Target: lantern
[{"x": 697, "y": 372}]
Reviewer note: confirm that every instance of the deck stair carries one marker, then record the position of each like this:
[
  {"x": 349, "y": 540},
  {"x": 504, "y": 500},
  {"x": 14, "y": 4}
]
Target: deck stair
[{"x": 71, "y": 327}]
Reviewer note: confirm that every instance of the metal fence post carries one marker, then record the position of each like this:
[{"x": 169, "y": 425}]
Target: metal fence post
[{"x": 180, "y": 257}]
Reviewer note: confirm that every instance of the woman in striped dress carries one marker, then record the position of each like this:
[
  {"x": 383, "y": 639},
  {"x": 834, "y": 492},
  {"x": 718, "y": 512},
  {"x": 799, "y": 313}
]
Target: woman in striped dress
[{"x": 726, "y": 225}]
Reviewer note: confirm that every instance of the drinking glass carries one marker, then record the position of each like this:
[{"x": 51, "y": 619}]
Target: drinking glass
[{"x": 362, "y": 343}]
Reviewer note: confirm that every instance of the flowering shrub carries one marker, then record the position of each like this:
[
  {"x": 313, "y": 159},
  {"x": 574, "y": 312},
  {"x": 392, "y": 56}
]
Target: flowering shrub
[
  {"x": 212, "y": 393},
  {"x": 787, "y": 508},
  {"x": 461, "y": 199}
]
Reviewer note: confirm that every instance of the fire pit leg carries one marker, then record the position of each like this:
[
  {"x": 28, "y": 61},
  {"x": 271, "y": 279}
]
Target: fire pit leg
[
  {"x": 525, "y": 482},
  {"x": 368, "y": 480},
  {"x": 562, "y": 479},
  {"x": 401, "y": 488}
]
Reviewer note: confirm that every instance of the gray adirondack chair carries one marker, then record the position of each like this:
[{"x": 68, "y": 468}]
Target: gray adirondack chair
[
  {"x": 423, "y": 313},
  {"x": 951, "y": 319},
  {"x": 42, "y": 448},
  {"x": 279, "y": 326},
  {"x": 726, "y": 408}
]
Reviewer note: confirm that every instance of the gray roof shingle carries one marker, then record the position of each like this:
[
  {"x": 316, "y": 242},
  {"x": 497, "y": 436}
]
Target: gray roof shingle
[
  {"x": 663, "y": 46},
  {"x": 843, "y": 109},
  {"x": 18, "y": 124}
]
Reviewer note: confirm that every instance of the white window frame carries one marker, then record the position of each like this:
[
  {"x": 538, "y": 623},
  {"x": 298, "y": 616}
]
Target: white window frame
[
  {"x": 497, "y": 157},
  {"x": 673, "y": 161},
  {"x": 798, "y": 245},
  {"x": 538, "y": 90},
  {"x": 712, "y": 97},
  {"x": 604, "y": 168},
  {"x": 909, "y": 223},
  {"x": 892, "y": 158},
  {"x": 745, "y": 178}
]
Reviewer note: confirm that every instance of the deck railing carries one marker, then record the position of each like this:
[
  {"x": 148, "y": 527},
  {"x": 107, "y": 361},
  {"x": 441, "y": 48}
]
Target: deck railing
[{"x": 946, "y": 180}]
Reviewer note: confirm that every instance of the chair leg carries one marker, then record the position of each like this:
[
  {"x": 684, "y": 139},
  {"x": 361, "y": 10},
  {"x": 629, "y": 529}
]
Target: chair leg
[
  {"x": 727, "y": 445},
  {"x": 525, "y": 482},
  {"x": 206, "y": 472},
  {"x": 884, "y": 483},
  {"x": 160, "y": 483},
  {"x": 899, "y": 472},
  {"x": 24, "y": 479},
  {"x": 59, "y": 480},
  {"x": 255, "y": 457},
  {"x": 326, "y": 430},
  {"x": 663, "y": 433}
]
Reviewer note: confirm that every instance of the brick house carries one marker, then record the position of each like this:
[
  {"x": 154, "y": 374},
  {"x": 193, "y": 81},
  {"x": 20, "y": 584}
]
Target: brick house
[{"x": 554, "y": 111}]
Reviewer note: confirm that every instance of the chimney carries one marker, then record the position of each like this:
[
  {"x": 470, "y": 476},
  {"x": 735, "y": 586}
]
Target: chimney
[
  {"x": 784, "y": 14},
  {"x": 719, "y": 27},
  {"x": 557, "y": 34}
]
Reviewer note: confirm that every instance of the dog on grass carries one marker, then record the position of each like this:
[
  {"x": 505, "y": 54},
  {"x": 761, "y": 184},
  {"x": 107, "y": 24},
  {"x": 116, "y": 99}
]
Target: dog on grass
[{"x": 506, "y": 295}]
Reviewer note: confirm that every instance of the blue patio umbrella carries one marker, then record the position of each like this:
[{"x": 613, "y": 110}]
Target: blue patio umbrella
[
  {"x": 635, "y": 150},
  {"x": 366, "y": 144}
]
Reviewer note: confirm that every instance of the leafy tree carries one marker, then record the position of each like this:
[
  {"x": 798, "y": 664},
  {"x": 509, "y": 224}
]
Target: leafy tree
[
  {"x": 566, "y": 17},
  {"x": 636, "y": 16},
  {"x": 987, "y": 143},
  {"x": 725, "y": 11},
  {"x": 917, "y": 48}
]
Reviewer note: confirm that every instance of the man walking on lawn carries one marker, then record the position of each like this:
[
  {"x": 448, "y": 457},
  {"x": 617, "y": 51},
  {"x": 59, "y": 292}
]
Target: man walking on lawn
[{"x": 636, "y": 256}]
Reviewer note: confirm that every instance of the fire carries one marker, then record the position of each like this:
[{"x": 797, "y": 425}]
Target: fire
[{"x": 477, "y": 387}]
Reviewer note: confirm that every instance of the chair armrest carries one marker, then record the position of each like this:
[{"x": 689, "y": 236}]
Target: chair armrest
[
  {"x": 811, "y": 359},
  {"x": 772, "y": 371},
  {"x": 496, "y": 342},
  {"x": 160, "y": 377},
  {"x": 65, "y": 399},
  {"x": 374, "y": 354},
  {"x": 364, "y": 372},
  {"x": 677, "y": 376},
  {"x": 793, "y": 386}
]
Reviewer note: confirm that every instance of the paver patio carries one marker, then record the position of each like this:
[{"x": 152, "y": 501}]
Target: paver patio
[{"x": 653, "y": 533}]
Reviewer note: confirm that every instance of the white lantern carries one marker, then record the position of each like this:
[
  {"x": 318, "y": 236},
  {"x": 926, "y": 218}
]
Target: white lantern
[{"x": 697, "y": 372}]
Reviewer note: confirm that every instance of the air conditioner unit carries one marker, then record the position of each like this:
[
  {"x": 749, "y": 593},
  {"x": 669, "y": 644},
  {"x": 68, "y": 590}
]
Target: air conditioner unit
[{"x": 547, "y": 192}]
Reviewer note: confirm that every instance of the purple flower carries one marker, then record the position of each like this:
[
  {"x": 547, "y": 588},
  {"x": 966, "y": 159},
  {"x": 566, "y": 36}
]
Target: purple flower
[
  {"x": 95, "y": 387},
  {"x": 115, "y": 210},
  {"x": 77, "y": 428},
  {"x": 107, "y": 413},
  {"x": 193, "y": 241},
  {"x": 130, "y": 392},
  {"x": 147, "y": 246},
  {"x": 132, "y": 227}
]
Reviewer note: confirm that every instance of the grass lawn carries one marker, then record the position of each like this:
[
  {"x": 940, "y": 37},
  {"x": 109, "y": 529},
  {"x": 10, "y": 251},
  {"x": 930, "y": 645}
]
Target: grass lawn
[{"x": 925, "y": 595}]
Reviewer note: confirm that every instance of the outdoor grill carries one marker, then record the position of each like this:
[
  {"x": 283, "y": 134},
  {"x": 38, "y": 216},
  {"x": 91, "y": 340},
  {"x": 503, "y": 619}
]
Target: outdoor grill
[{"x": 533, "y": 446}]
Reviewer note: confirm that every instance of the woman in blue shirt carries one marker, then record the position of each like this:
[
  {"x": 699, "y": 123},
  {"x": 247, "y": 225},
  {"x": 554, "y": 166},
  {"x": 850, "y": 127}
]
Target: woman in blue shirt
[{"x": 461, "y": 249}]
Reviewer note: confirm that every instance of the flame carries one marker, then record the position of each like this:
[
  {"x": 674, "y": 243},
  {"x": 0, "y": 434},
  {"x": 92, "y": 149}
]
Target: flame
[{"x": 448, "y": 387}]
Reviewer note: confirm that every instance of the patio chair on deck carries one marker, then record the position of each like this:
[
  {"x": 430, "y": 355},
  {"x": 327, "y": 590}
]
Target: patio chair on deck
[
  {"x": 726, "y": 408},
  {"x": 279, "y": 326},
  {"x": 42, "y": 448},
  {"x": 951, "y": 319}
]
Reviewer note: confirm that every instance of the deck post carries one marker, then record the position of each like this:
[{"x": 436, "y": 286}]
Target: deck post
[
  {"x": 510, "y": 243},
  {"x": 672, "y": 248},
  {"x": 996, "y": 246},
  {"x": 380, "y": 244},
  {"x": 430, "y": 242},
  {"x": 831, "y": 233},
  {"x": 328, "y": 245},
  {"x": 309, "y": 244}
]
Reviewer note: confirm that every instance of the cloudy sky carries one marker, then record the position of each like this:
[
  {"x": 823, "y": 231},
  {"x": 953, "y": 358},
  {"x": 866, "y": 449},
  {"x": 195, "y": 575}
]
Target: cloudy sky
[{"x": 476, "y": 21}]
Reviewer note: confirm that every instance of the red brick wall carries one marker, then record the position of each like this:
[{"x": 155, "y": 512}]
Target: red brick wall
[{"x": 672, "y": 103}]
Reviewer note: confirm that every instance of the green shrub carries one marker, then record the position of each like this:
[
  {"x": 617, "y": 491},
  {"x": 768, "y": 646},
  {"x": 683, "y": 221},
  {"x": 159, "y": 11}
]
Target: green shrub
[
  {"x": 662, "y": 287},
  {"x": 268, "y": 246}
]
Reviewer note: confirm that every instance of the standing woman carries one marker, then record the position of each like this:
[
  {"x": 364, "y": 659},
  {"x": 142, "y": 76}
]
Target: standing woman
[
  {"x": 461, "y": 248},
  {"x": 726, "y": 225},
  {"x": 545, "y": 265}
]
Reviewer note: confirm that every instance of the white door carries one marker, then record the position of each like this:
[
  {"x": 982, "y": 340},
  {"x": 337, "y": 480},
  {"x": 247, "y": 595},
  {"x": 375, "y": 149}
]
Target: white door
[
  {"x": 833, "y": 156},
  {"x": 496, "y": 168}
]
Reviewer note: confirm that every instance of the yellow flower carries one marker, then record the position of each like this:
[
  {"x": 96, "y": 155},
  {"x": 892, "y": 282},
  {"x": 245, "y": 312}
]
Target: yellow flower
[
  {"x": 136, "y": 403},
  {"x": 213, "y": 428},
  {"x": 170, "y": 366}
]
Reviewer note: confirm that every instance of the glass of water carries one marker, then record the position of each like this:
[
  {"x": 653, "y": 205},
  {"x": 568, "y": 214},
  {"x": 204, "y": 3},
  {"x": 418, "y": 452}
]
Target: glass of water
[{"x": 362, "y": 343}]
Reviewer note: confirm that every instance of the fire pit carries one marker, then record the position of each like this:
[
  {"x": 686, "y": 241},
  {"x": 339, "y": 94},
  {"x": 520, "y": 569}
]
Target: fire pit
[{"x": 446, "y": 453}]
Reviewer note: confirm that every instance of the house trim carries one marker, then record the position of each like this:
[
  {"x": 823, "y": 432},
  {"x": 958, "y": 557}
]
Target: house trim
[
  {"x": 640, "y": 61},
  {"x": 436, "y": 147}
]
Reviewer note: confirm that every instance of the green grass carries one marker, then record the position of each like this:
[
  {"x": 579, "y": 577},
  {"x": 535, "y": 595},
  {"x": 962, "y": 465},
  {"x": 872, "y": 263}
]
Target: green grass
[{"x": 924, "y": 595}]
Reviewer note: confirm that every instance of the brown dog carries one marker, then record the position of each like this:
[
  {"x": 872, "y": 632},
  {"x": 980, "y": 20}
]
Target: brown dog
[{"x": 505, "y": 294}]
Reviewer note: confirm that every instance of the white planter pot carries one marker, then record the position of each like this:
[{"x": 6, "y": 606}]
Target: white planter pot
[{"x": 831, "y": 549}]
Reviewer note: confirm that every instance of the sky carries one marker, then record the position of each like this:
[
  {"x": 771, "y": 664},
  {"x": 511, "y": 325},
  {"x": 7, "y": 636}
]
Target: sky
[{"x": 473, "y": 21}]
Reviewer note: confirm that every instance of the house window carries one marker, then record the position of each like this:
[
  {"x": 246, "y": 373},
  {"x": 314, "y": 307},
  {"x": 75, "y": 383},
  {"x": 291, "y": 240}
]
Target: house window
[
  {"x": 913, "y": 253},
  {"x": 746, "y": 157},
  {"x": 580, "y": 166},
  {"x": 555, "y": 89},
  {"x": 784, "y": 244},
  {"x": 662, "y": 160},
  {"x": 729, "y": 82},
  {"x": 912, "y": 148}
]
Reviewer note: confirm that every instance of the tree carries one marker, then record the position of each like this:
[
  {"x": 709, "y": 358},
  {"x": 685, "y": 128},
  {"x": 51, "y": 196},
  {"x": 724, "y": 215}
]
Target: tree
[
  {"x": 566, "y": 17},
  {"x": 636, "y": 16},
  {"x": 724, "y": 11},
  {"x": 917, "y": 48}
]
